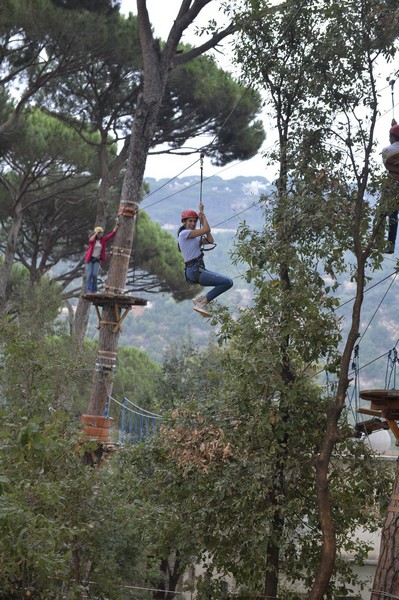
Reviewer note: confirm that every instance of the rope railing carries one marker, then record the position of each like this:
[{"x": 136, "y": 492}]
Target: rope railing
[{"x": 135, "y": 424}]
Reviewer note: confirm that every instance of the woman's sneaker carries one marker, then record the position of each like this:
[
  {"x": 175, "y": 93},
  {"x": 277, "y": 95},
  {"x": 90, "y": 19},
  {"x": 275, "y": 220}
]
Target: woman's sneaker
[{"x": 200, "y": 308}]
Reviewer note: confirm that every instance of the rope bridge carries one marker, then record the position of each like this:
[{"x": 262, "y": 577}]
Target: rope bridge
[{"x": 136, "y": 424}]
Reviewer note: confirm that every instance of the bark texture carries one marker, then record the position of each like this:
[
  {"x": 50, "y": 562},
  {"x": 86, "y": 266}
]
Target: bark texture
[
  {"x": 386, "y": 580},
  {"x": 156, "y": 67}
]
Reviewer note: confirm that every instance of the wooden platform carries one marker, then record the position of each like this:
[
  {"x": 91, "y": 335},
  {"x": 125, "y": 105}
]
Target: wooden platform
[
  {"x": 384, "y": 405},
  {"x": 99, "y": 299},
  {"x": 120, "y": 303}
]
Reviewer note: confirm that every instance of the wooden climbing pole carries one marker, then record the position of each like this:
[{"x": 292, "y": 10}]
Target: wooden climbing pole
[{"x": 112, "y": 307}]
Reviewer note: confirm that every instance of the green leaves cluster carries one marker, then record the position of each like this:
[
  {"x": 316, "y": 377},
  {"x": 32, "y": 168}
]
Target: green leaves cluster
[{"x": 62, "y": 524}]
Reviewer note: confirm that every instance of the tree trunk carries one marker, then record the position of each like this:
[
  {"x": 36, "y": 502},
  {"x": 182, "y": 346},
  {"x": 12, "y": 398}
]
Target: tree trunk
[
  {"x": 146, "y": 115},
  {"x": 386, "y": 580},
  {"x": 6, "y": 267},
  {"x": 173, "y": 575},
  {"x": 157, "y": 64},
  {"x": 81, "y": 319},
  {"x": 322, "y": 463},
  {"x": 270, "y": 589}
]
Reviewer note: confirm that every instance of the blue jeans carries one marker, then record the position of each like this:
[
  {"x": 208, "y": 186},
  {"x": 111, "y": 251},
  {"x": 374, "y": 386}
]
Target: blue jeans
[
  {"x": 92, "y": 269},
  {"x": 208, "y": 278}
]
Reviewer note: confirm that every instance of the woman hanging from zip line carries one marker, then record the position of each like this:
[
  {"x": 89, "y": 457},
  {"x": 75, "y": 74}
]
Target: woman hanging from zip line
[{"x": 190, "y": 245}]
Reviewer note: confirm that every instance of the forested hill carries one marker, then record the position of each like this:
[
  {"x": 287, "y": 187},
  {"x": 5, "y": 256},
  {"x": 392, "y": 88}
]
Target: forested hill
[{"x": 226, "y": 201}]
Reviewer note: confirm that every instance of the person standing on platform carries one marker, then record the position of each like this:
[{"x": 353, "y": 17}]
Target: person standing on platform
[{"x": 95, "y": 255}]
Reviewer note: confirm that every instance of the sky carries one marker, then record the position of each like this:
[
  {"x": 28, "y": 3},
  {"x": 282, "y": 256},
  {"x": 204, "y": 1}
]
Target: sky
[{"x": 162, "y": 13}]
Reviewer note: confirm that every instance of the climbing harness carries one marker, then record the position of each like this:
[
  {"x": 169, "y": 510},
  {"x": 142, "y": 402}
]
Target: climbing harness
[{"x": 199, "y": 261}]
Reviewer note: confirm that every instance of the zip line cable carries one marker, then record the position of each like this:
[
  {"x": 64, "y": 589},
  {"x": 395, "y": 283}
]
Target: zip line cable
[
  {"x": 367, "y": 289},
  {"x": 242, "y": 161},
  {"x": 378, "y": 307},
  {"x": 313, "y": 375},
  {"x": 211, "y": 176}
]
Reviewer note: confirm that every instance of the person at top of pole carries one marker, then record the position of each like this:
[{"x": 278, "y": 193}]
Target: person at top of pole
[
  {"x": 95, "y": 255},
  {"x": 190, "y": 238},
  {"x": 390, "y": 158},
  {"x": 390, "y": 154}
]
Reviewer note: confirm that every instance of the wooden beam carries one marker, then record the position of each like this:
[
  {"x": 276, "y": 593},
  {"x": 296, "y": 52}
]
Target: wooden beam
[{"x": 368, "y": 411}]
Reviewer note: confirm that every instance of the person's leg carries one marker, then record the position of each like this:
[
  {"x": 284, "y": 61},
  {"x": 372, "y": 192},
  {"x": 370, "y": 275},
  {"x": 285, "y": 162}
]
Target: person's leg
[
  {"x": 221, "y": 284},
  {"x": 393, "y": 228},
  {"x": 89, "y": 272},
  {"x": 96, "y": 268}
]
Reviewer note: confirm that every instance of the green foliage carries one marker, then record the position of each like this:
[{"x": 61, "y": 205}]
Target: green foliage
[
  {"x": 239, "y": 446},
  {"x": 214, "y": 103},
  {"x": 36, "y": 304},
  {"x": 136, "y": 378},
  {"x": 62, "y": 524},
  {"x": 189, "y": 373}
]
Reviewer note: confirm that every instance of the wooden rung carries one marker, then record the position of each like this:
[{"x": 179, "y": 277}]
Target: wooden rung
[{"x": 368, "y": 411}]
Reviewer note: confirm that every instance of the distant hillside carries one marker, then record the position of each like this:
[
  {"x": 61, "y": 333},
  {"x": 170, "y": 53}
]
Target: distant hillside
[{"x": 227, "y": 202}]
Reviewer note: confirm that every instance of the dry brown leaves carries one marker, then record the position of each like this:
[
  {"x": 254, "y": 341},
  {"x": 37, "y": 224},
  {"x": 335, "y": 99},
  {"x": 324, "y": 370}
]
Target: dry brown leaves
[{"x": 197, "y": 446}]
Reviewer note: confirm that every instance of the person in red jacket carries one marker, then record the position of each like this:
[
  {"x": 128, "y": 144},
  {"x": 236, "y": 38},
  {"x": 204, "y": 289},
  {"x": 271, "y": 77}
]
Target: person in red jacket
[{"x": 96, "y": 255}]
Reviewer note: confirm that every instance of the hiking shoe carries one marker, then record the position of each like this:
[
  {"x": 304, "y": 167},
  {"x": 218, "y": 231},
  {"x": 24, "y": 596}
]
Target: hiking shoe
[
  {"x": 389, "y": 248},
  {"x": 202, "y": 311}
]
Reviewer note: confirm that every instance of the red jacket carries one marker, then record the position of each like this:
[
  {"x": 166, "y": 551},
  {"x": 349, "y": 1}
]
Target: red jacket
[{"x": 103, "y": 241}]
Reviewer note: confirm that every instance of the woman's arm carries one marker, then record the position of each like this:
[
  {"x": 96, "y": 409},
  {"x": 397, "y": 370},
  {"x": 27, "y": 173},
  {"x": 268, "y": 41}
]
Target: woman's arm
[
  {"x": 205, "y": 228},
  {"x": 111, "y": 234},
  {"x": 208, "y": 236}
]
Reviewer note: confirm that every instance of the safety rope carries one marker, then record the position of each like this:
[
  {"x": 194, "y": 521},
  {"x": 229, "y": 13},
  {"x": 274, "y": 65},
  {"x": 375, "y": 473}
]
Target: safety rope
[
  {"x": 201, "y": 175},
  {"x": 392, "y": 84},
  {"x": 390, "y": 373},
  {"x": 354, "y": 398}
]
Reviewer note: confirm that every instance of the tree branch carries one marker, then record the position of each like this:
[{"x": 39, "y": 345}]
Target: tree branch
[{"x": 181, "y": 59}]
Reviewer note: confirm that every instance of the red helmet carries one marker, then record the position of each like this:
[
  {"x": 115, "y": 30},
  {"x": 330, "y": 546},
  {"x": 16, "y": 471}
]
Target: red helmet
[
  {"x": 394, "y": 130},
  {"x": 189, "y": 214}
]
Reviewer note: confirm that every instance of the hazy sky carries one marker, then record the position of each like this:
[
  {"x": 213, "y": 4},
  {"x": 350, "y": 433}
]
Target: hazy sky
[{"x": 162, "y": 14}]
